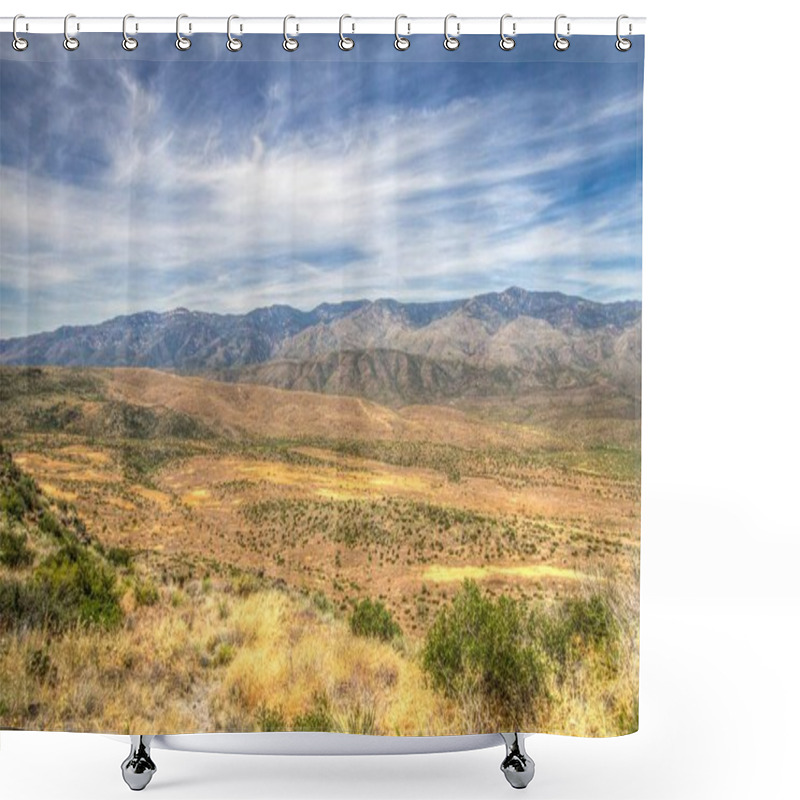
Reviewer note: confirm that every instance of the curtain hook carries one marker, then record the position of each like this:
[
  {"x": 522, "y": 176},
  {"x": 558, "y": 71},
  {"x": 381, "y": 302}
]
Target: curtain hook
[
  {"x": 18, "y": 43},
  {"x": 290, "y": 44},
  {"x": 507, "y": 42},
  {"x": 401, "y": 42},
  {"x": 560, "y": 43},
  {"x": 70, "y": 42},
  {"x": 450, "y": 42},
  {"x": 128, "y": 42},
  {"x": 181, "y": 41},
  {"x": 345, "y": 43},
  {"x": 622, "y": 44},
  {"x": 233, "y": 44}
]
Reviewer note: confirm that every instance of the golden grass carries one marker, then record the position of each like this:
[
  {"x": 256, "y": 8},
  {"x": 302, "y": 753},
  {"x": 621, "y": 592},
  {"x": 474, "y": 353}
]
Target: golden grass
[
  {"x": 290, "y": 657},
  {"x": 209, "y": 661},
  {"x": 202, "y": 660},
  {"x": 446, "y": 574}
]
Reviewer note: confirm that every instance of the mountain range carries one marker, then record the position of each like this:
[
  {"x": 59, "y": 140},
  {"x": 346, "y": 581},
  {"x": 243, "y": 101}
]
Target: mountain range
[{"x": 498, "y": 343}]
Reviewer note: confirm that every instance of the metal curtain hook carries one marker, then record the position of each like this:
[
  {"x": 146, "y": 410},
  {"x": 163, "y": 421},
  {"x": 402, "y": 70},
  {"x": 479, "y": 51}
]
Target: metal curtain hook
[
  {"x": 181, "y": 41},
  {"x": 401, "y": 42},
  {"x": 18, "y": 43},
  {"x": 289, "y": 44},
  {"x": 507, "y": 42},
  {"x": 450, "y": 42},
  {"x": 70, "y": 42},
  {"x": 233, "y": 44},
  {"x": 560, "y": 43},
  {"x": 128, "y": 42},
  {"x": 345, "y": 43},
  {"x": 622, "y": 44}
]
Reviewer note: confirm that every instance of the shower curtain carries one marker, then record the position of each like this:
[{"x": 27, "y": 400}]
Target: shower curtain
[{"x": 320, "y": 385}]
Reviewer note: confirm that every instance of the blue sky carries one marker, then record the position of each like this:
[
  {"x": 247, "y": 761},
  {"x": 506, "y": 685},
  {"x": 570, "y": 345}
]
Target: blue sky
[{"x": 226, "y": 184}]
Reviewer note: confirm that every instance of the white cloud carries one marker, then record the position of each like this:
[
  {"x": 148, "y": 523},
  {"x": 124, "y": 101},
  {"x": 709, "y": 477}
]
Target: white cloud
[{"x": 450, "y": 199}]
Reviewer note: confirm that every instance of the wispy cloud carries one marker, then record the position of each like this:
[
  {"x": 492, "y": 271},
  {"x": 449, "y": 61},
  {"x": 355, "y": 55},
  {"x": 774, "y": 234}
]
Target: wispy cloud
[{"x": 148, "y": 198}]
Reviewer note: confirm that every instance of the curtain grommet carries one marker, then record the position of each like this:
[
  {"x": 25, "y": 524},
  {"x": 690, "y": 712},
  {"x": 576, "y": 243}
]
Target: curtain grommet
[
  {"x": 181, "y": 41},
  {"x": 345, "y": 42},
  {"x": 18, "y": 43},
  {"x": 290, "y": 44},
  {"x": 561, "y": 44},
  {"x": 507, "y": 42},
  {"x": 233, "y": 44},
  {"x": 401, "y": 43},
  {"x": 128, "y": 42},
  {"x": 70, "y": 42},
  {"x": 622, "y": 44},
  {"x": 451, "y": 42}
]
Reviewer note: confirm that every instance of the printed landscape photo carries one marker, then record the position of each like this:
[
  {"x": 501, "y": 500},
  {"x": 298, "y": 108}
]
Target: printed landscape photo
[{"x": 310, "y": 430}]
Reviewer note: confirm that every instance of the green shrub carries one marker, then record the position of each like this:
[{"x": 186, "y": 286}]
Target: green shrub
[
  {"x": 480, "y": 652},
  {"x": 580, "y": 623},
  {"x": 49, "y": 524},
  {"x": 318, "y": 718},
  {"x": 146, "y": 593},
  {"x": 39, "y": 664},
  {"x": 270, "y": 719},
  {"x": 497, "y": 657},
  {"x": 78, "y": 587},
  {"x": 372, "y": 618},
  {"x": 120, "y": 557},
  {"x": 12, "y": 504},
  {"x": 245, "y": 584},
  {"x": 18, "y": 492},
  {"x": 22, "y": 605},
  {"x": 14, "y": 552},
  {"x": 224, "y": 655}
]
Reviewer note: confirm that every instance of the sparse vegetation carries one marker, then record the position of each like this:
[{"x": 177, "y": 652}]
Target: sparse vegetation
[{"x": 308, "y": 576}]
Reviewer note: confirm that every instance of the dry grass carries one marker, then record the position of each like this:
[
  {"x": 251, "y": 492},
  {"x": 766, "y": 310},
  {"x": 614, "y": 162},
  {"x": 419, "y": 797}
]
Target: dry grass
[
  {"x": 315, "y": 494},
  {"x": 600, "y": 696},
  {"x": 290, "y": 656},
  {"x": 211, "y": 661}
]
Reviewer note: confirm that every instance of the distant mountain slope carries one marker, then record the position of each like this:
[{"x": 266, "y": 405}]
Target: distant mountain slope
[
  {"x": 179, "y": 339},
  {"x": 510, "y": 328}
]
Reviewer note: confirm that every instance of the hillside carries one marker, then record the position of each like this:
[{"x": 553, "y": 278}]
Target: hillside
[{"x": 152, "y": 405}]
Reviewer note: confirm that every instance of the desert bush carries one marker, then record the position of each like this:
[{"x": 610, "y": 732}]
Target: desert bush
[
  {"x": 372, "y": 618},
  {"x": 270, "y": 719},
  {"x": 49, "y": 524},
  {"x": 18, "y": 492},
  {"x": 360, "y": 719},
  {"x": 245, "y": 584},
  {"x": 317, "y": 718},
  {"x": 75, "y": 586},
  {"x": 14, "y": 551},
  {"x": 501, "y": 659},
  {"x": 22, "y": 604},
  {"x": 479, "y": 651},
  {"x": 120, "y": 557},
  {"x": 146, "y": 593},
  {"x": 223, "y": 655},
  {"x": 580, "y": 623}
]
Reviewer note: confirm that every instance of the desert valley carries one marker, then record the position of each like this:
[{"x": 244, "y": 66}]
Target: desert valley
[{"x": 288, "y": 520}]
